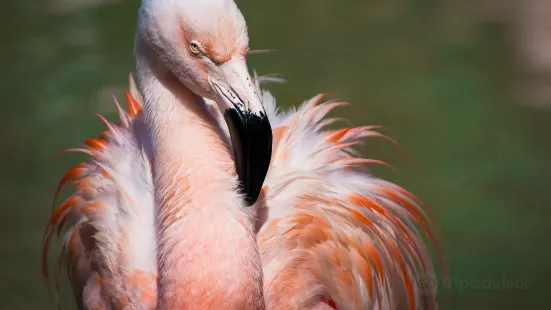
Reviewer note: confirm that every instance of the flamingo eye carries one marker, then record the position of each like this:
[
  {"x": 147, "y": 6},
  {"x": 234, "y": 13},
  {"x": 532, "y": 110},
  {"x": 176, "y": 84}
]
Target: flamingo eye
[{"x": 195, "y": 47}]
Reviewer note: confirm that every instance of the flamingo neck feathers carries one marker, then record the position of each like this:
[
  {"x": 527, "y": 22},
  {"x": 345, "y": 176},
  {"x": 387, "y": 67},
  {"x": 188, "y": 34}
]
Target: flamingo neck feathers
[{"x": 206, "y": 245}]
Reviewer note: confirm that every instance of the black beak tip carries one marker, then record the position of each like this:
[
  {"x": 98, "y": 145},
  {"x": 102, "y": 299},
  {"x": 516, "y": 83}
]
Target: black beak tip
[{"x": 251, "y": 136}]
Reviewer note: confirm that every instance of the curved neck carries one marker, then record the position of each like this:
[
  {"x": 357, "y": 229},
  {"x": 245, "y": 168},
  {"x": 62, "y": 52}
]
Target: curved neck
[{"x": 207, "y": 252}]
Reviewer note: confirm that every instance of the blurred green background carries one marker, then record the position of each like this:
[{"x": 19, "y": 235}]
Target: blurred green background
[{"x": 448, "y": 77}]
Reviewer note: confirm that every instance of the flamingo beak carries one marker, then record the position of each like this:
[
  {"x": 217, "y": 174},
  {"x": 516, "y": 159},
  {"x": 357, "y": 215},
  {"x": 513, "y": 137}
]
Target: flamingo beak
[{"x": 250, "y": 130}]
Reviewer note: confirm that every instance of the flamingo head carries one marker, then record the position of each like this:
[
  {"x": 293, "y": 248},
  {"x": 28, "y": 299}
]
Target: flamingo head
[{"x": 204, "y": 43}]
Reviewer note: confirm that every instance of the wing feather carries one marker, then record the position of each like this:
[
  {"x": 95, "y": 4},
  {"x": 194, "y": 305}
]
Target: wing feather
[
  {"x": 109, "y": 245},
  {"x": 331, "y": 231}
]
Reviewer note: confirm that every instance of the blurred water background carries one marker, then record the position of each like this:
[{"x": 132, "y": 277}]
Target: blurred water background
[{"x": 463, "y": 85}]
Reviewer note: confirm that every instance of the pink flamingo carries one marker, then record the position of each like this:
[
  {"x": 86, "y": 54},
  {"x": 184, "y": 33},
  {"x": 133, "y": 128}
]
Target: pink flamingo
[{"x": 210, "y": 198}]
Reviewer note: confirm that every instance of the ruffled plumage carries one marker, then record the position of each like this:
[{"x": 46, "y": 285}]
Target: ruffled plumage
[{"x": 326, "y": 228}]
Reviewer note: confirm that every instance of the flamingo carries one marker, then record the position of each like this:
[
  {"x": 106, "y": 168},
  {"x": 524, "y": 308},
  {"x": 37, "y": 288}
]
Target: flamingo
[{"x": 204, "y": 195}]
